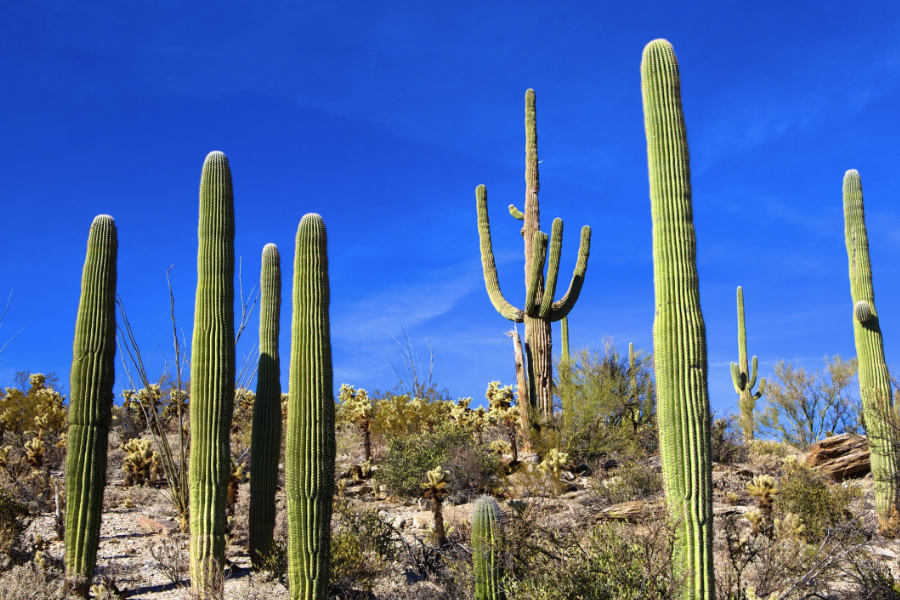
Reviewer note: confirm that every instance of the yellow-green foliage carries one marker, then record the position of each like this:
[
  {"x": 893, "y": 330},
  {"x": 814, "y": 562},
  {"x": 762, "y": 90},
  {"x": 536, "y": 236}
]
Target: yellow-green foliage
[
  {"x": 35, "y": 412},
  {"x": 242, "y": 419},
  {"x": 817, "y": 504},
  {"x": 141, "y": 464},
  {"x": 552, "y": 466}
]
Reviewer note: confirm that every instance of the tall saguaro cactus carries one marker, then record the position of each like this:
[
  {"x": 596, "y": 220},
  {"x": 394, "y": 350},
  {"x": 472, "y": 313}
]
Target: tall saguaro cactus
[
  {"x": 90, "y": 408},
  {"x": 744, "y": 376},
  {"x": 679, "y": 334},
  {"x": 486, "y": 534},
  {"x": 310, "y": 428},
  {"x": 266, "y": 432},
  {"x": 212, "y": 372},
  {"x": 540, "y": 309},
  {"x": 874, "y": 378}
]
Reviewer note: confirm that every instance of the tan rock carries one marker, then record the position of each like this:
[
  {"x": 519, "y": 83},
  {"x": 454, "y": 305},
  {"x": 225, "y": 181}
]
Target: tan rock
[
  {"x": 840, "y": 456},
  {"x": 634, "y": 511}
]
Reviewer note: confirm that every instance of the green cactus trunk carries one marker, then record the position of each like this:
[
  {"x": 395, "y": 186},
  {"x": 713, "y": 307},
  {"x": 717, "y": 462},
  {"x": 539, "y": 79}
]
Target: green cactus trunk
[
  {"x": 90, "y": 405},
  {"x": 266, "y": 433},
  {"x": 212, "y": 373},
  {"x": 679, "y": 334},
  {"x": 874, "y": 378},
  {"x": 486, "y": 535},
  {"x": 310, "y": 428},
  {"x": 540, "y": 309},
  {"x": 744, "y": 377}
]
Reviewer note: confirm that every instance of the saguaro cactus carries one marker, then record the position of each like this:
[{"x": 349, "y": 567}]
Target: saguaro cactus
[
  {"x": 540, "y": 309},
  {"x": 487, "y": 530},
  {"x": 874, "y": 378},
  {"x": 90, "y": 408},
  {"x": 310, "y": 428},
  {"x": 679, "y": 334},
  {"x": 565, "y": 339},
  {"x": 743, "y": 378},
  {"x": 212, "y": 372},
  {"x": 266, "y": 433}
]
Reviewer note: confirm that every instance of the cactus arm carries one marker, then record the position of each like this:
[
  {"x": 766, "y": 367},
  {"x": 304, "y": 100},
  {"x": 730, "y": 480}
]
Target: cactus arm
[
  {"x": 742, "y": 332},
  {"x": 489, "y": 267},
  {"x": 679, "y": 333},
  {"x": 736, "y": 378},
  {"x": 556, "y": 234},
  {"x": 539, "y": 255},
  {"x": 212, "y": 372},
  {"x": 753, "y": 374},
  {"x": 310, "y": 448},
  {"x": 874, "y": 378},
  {"x": 92, "y": 379},
  {"x": 762, "y": 389},
  {"x": 516, "y": 213},
  {"x": 565, "y": 304},
  {"x": 266, "y": 429}
]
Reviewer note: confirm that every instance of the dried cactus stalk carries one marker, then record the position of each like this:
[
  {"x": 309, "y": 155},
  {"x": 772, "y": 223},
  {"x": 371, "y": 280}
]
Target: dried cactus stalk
[
  {"x": 90, "y": 408},
  {"x": 874, "y": 378},
  {"x": 212, "y": 373},
  {"x": 679, "y": 334},
  {"x": 310, "y": 429},
  {"x": 266, "y": 433}
]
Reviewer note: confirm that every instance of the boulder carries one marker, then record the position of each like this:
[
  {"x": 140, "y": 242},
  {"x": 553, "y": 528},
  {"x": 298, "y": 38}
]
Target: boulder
[{"x": 840, "y": 456}]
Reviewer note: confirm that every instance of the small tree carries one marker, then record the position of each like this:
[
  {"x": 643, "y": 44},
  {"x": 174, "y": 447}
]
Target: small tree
[{"x": 804, "y": 407}]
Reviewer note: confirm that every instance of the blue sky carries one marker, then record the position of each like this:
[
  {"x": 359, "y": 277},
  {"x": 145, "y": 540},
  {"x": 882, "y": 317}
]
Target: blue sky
[{"x": 383, "y": 117}]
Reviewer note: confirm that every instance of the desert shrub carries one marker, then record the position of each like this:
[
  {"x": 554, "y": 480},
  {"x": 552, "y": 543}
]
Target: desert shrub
[
  {"x": 32, "y": 582},
  {"x": 14, "y": 520},
  {"x": 608, "y": 405},
  {"x": 804, "y": 407},
  {"x": 819, "y": 504},
  {"x": 610, "y": 562},
  {"x": 409, "y": 457},
  {"x": 361, "y": 543},
  {"x": 726, "y": 445},
  {"x": 631, "y": 481}
]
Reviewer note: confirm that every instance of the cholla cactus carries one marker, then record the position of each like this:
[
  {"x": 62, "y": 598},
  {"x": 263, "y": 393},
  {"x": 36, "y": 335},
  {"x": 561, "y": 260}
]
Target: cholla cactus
[
  {"x": 435, "y": 489},
  {"x": 763, "y": 488},
  {"x": 141, "y": 464},
  {"x": 755, "y": 518},
  {"x": 34, "y": 453},
  {"x": 500, "y": 447},
  {"x": 553, "y": 465},
  {"x": 504, "y": 414},
  {"x": 357, "y": 408},
  {"x": 40, "y": 560},
  {"x": 791, "y": 527},
  {"x": 237, "y": 476}
]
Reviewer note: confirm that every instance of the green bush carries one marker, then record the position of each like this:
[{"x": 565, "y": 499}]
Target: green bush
[
  {"x": 472, "y": 466},
  {"x": 610, "y": 563},
  {"x": 631, "y": 481},
  {"x": 819, "y": 504},
  {"x": 14, "y": 520}
]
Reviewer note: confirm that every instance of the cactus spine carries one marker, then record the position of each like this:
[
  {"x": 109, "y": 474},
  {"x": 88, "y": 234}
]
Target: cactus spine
[
  {"x": 679, "y": 334},
  {"x": 540, "y": 309},
  {"x": 90, "y": 408},
  {"x": 874, "y": 379},
  {"x": 486, "y": 533},
  {"x": 310, "y": 428},
  {"x": 744, "y": 378},
  {"x": 266, "y": 433},
  {"x": 212, "y": 372}
]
